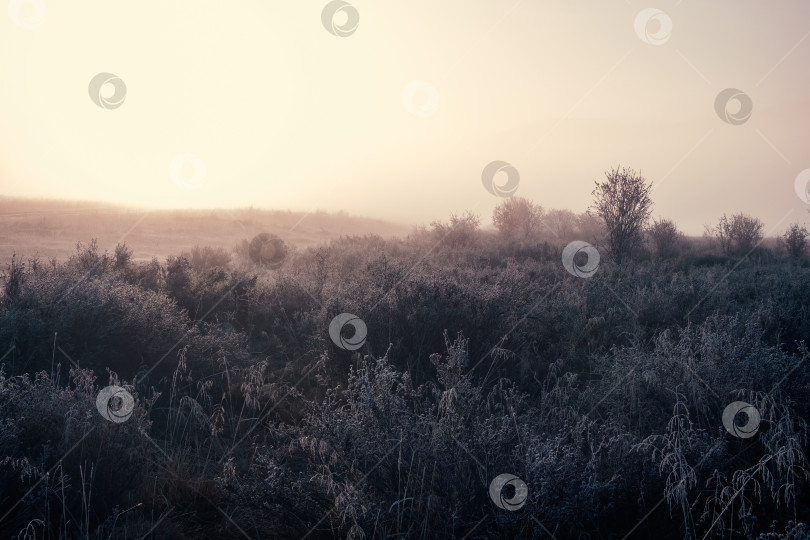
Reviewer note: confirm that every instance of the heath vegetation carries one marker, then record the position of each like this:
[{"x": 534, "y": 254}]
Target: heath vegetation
[{"x": 483, "y": 356}]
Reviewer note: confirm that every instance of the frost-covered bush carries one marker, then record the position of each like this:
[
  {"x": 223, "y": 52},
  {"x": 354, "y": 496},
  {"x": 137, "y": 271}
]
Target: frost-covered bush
[{"x": 604, "y": 395}]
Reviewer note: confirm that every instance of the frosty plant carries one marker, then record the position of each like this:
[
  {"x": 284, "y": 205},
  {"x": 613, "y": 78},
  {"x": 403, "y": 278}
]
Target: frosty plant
[
  {"x": 794, "y": 240},
  {"x": 738, "y": 234},
  {"x": 517, "y": 217},
  {"x": 664, "y": 237},
  {"x": 623, "y": 201}
]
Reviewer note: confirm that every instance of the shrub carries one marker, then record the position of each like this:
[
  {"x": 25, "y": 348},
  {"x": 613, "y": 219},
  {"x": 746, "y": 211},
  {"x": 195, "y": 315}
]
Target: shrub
[
  {"x": 75, "y": 468},
  {"x": 461, "y": 231},
  {"x": 151, "y": 275},
  {"x": 623, "y": 201},
  {"x": 592, "y": 391},
  {"x": 13, "y": 279},
  {"x": 122, "y": 257},
  {"x": 179, "y": 280},
  {"x": 794, "y": 240},
  {"x": 591, "y": 228},
  {"x": 665, "y": 237},
  {"x": 517, "y": 217},
  {"x": 88, "y": 260},
  {"x": 204, "y": 259},
  {"x": 561, "y": 223},
  {"x": 738, "y": 234}
]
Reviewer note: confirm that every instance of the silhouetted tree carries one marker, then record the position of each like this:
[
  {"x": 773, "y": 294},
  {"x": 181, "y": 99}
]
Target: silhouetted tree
[
  {"x": 665, "y": 237},
  {"x": 123, "y": 257},
  {"x": 461, "y": 231},
  {"x": 179, "y": 281},
  {"x": 590, "y": 227},
  {"x": 623, "y": 201},
  {"x": 204, "y": 258},
  {"x": 795, "y": 240},
  {"x": 738, "y": 234},
  {"x": 517, "y": 217},
  {"x": 562, "y": 222}
]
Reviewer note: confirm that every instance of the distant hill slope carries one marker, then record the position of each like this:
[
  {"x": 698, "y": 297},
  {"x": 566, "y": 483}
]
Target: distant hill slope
[{"x": 52, "y": 228}]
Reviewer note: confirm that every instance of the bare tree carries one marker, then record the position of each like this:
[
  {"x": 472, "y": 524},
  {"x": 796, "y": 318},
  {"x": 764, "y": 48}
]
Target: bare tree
[
  {"x": 738, "y": 234},
  {"x": 664, "y": 237},
  {"x": 794, "y": 240},
  {"x": 623, "y": 201},
  {"x": 720, "y": 232},
  {"x": 562, "y": 222},
  {"x": 517, "y": 217},
  {"x": 746, "y": 231},
  {"x": 462, "y": 230},
  {"x": 590, "y": 227}
]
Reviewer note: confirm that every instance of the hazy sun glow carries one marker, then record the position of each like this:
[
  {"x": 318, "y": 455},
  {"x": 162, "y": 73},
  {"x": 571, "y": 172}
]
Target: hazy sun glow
[{"x": 255, "y": 103}]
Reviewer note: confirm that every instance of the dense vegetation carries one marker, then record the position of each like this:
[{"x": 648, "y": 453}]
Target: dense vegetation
[{"x": 484, "y": 356}]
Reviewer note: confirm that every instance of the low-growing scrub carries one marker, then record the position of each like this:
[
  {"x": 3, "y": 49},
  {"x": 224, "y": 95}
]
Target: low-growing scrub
[{"x": 483, "y": 356}]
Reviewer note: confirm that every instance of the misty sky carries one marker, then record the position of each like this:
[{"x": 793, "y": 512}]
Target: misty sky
[{"x": 284, "y": 114}]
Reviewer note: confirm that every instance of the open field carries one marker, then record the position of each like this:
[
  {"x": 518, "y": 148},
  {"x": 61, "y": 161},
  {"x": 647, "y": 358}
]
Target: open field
[{"x": 50, "y": 229}]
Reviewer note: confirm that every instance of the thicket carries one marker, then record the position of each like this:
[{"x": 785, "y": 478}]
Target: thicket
[{"x": 483, "y": 356}]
